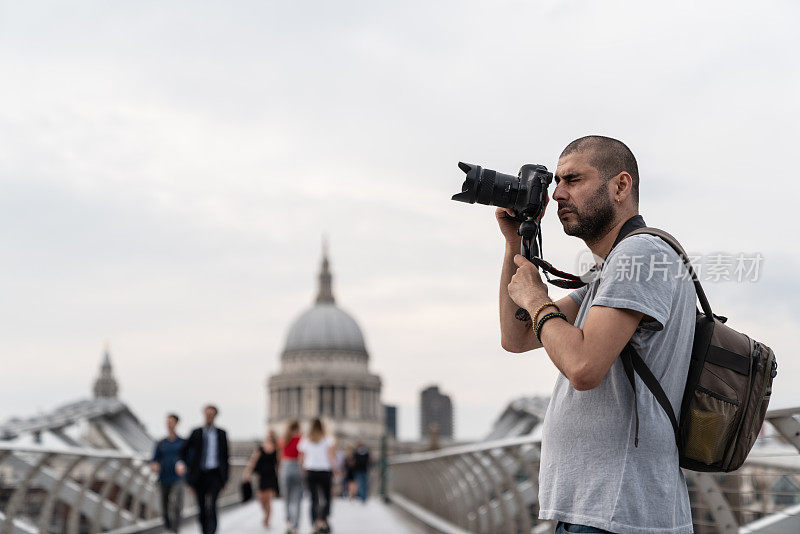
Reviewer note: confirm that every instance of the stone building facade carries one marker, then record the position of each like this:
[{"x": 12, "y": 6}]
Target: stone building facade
[{"x": 325, "y": 373}]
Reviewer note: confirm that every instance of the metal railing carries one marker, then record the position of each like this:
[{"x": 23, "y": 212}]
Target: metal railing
[
  {"x": 73, "y": 490},
  {"x": 492, "y": 487}
]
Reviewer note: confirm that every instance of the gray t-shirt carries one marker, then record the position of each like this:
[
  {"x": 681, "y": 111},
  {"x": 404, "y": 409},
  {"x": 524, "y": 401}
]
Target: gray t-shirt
[{"x": 591, "y": 473}]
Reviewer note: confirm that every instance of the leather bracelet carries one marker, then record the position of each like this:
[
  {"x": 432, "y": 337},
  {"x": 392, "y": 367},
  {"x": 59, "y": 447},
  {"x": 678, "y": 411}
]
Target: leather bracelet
[
  {"x": 538, "y": 330},
  {"x": 540, "y": 308}
]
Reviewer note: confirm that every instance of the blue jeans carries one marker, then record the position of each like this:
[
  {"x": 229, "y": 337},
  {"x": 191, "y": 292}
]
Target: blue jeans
[
  {"x": 292, "y": 490},
  {"x": 361, "y": 479},
  {"x": 566, "y": 528}
]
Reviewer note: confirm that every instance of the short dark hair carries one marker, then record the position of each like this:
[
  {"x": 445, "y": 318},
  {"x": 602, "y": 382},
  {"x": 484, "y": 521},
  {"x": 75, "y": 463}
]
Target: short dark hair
[
  {"x": 174, "y": 416},
  {"x": 216, "y": 411},
  {"x": 610, "y": 156}
]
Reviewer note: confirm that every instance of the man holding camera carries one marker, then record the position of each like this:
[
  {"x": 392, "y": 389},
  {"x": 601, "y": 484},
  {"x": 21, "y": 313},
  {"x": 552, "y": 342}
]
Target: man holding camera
[{"x": 609, "y": 462}]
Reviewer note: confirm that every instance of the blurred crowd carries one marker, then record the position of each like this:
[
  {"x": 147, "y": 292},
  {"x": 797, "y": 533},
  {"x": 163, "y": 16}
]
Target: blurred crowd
[{"x": 290, "y": 466}]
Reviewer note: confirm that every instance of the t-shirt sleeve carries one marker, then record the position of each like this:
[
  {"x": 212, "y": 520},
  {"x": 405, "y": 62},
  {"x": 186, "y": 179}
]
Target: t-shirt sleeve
[
  {"x": 640, "y": 275},
  {"x": 578, "y": 295},
  {"x": 301, "y": 445}
]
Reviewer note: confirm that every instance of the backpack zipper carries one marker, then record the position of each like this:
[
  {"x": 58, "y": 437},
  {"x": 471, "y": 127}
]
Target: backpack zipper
[
  {"x": 716, "y": 395},
  {"x": 762, "y": 391},
  {"x": 756, "y": 351}
]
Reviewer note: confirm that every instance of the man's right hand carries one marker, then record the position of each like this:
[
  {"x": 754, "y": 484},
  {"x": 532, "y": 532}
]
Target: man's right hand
[{"x": 508, "y": 226}]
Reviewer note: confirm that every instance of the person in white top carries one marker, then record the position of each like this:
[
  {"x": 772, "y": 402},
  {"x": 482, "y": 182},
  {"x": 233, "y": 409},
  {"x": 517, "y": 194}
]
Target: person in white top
[{"x": 317, "y": 456}]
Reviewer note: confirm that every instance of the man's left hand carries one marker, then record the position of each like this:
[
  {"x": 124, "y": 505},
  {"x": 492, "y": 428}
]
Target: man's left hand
[{"x": 527, "y": 289}]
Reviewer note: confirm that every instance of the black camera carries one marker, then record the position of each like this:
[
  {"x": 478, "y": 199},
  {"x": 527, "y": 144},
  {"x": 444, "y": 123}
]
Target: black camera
[{"x": 525, "y": 193}]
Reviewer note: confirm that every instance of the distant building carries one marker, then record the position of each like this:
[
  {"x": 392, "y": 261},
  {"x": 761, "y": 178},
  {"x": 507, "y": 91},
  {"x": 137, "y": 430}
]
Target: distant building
[
  {"x": 390, "y": 418},
  {"x": 325, "y": 373},
  {"x": 436, "y": 413},
  {"x": 105, "y": 387}
]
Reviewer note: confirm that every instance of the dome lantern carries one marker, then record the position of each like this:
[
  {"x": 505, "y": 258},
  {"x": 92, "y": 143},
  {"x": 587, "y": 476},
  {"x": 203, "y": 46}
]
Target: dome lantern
[
  {"x": 325, "y": 326},
  {"x": 325, "y": 294}
]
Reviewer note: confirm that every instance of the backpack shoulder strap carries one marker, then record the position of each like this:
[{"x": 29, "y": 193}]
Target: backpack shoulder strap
[
  {"x": 671, "y": 241},
  {"x": 631, "y": 361}
]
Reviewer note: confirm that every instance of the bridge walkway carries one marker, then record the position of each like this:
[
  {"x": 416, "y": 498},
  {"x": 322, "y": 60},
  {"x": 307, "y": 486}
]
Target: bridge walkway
[{"x": 347, "y": 517}]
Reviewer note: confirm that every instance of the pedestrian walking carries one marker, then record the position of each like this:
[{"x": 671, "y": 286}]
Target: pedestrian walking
[
  {"x": 264, "y": 462},
  {"x": 339, "y": 473},
  {"x": 291, "y": 476},
  {"x": 317, "y": 455},
  {"x": 165, "y": 456},
  {"x": 204, "y": 460},
  {"x": 361, "y": 465},
  {"x": 349, "y": 477}
]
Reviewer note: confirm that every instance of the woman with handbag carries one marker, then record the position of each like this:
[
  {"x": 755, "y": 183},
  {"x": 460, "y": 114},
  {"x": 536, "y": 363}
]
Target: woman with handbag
[{"x": 264, "y": 461}]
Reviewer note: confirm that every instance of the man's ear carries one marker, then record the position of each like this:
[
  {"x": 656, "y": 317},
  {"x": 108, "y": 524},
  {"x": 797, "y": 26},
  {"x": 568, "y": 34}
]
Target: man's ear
[{"x": 624, "y": 185}]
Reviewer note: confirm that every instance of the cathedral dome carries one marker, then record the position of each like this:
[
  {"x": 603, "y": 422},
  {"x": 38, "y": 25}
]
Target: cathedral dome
[{"x": 325, "y": 326}]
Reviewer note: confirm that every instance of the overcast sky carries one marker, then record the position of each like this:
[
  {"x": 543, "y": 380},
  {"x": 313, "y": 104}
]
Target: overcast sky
[{"x": 168, "y": 169}]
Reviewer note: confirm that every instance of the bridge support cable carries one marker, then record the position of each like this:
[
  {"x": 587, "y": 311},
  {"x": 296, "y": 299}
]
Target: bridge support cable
[
  {"x": 18, "y": 496},
  {"x": 523, "y": 520},
  {"x": 46, "y": 515},
  {"x": 483, "y": 506},
  {"x": 73, "y": 526},
  {"x": 476, "y": 517},
  {"x": 786, "y": 424}
]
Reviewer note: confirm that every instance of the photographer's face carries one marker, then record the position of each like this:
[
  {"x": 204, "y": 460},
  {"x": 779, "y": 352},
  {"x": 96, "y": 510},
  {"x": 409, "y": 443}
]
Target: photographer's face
[{"x": 585, "y": 208}]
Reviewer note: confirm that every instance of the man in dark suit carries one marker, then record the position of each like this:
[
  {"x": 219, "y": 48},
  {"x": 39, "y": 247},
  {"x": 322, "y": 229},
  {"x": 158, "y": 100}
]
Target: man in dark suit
[{"x": 204, "y": 460}]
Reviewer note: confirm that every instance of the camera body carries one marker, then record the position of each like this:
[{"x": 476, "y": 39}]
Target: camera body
[{"x": 525, "y": 193}]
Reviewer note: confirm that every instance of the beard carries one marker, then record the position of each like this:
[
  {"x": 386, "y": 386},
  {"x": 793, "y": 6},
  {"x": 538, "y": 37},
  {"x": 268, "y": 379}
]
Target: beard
[{"x": 593, "y": 221}]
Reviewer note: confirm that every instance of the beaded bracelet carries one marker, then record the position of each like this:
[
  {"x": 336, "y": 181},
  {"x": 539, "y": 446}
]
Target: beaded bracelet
[
  {"x": 540, "y": 308},
  {"x": 541, "y": 322}
]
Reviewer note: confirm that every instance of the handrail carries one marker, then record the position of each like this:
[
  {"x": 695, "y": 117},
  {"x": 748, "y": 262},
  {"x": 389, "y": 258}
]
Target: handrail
[
  {"x": 465, "y": 449},
  {"x": 88, "y": 452},
  {"x": 112, "y": 490},
  {"x": 492, "y": 486}
]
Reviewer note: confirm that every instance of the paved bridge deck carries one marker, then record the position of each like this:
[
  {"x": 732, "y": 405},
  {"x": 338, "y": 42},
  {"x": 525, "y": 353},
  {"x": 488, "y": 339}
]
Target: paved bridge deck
[{"x": 347, "y": 517}]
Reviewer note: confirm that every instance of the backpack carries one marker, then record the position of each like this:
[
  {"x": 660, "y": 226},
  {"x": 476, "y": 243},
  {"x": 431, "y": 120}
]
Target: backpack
[{"x": 728, "y": 386}]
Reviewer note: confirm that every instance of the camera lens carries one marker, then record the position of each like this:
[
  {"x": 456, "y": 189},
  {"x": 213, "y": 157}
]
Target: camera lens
[{"x": 486, "y": 186}]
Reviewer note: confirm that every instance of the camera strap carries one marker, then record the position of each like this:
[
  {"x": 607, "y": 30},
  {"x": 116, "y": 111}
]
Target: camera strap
[{"x": 566, "y": 280}]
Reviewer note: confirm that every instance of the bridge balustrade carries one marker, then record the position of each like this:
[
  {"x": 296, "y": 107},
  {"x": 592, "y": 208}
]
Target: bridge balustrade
[
  {"x": 75, "y": 490},
  {"x": 492, "y": 487}
]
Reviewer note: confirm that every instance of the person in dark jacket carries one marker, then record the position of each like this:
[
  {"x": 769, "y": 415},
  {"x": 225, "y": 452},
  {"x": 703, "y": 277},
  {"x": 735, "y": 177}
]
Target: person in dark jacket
[
  {"x": 204, "y": 460},
  {"x": 165, "y": 457},
  {"x": 361, "y": 464}
]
